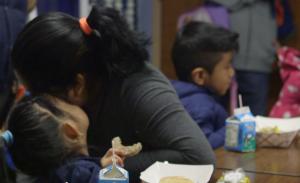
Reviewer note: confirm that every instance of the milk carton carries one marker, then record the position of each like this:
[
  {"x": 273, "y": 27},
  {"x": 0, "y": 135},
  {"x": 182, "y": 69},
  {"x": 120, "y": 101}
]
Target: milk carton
[
  {"x": 240, "y": 131},
  {"x": 122, "y": 176}
]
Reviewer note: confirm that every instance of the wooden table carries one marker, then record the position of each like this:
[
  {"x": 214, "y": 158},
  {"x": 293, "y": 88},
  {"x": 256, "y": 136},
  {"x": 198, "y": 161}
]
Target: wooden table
[
  {"x": 263, "y": 160},
  {"x": 263, "y": 165}
]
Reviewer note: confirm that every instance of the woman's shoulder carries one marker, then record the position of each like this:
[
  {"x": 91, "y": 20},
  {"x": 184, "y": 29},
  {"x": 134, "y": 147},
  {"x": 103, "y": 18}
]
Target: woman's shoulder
[
  {"x": 147, "y": 78},
  {"x": 148, "y": 71}
]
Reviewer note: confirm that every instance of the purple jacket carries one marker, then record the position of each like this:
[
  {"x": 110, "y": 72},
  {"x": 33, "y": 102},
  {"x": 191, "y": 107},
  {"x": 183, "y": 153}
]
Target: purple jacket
[
  {"x": 204, "y": 109},
  {"x": 78, "y": 170}
]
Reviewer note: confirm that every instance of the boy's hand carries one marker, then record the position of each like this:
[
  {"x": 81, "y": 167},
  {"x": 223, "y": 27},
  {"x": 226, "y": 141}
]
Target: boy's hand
[{"x": 107, "y": 158}]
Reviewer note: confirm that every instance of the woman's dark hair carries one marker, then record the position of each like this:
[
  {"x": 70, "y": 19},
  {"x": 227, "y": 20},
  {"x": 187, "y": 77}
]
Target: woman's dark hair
[
  {"x": 201, "y": 44},
  {"x": 52, "y": 49},
  {"x": 38, "y": 146}
]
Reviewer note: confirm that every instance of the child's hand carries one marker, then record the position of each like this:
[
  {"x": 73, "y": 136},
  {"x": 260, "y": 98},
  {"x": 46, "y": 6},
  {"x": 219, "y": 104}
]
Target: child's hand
[{"x": 107, "y": 158}]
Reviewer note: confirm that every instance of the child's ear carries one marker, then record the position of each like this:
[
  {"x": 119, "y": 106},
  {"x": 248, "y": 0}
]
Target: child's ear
[
  {"x": 199, "y": 76},
  {"x": 70, "y": 131},
  {"x": 76, "y": 93}
]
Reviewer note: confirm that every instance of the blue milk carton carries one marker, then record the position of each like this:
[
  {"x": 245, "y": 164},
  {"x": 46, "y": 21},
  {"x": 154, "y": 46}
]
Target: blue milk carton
[
  {"x": 121, "y": 175},
  {"x": 240, "y": 131}
]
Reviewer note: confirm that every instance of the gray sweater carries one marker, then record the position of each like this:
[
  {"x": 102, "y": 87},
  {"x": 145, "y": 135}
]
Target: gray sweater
[
  {"x": 145, "y": 108},
  {"x": 254, "y": 21}
]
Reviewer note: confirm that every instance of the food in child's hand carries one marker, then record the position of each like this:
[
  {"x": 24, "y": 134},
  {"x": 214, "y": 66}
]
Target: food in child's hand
[
  {"x": 175, "y": 179},
  {"x": 129, "y": 150}
]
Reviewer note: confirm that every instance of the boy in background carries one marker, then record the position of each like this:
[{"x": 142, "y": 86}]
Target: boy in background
[{"x": 202, "y": 55}]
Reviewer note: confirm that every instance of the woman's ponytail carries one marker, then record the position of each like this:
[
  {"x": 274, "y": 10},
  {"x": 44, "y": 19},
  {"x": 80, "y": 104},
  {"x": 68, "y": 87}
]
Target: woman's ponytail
[{"x": 117, "y": 48}]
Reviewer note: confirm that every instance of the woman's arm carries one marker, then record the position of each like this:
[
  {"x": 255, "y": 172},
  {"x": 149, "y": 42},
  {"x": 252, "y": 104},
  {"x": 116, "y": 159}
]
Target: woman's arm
[{"x": 165, "y": 128}]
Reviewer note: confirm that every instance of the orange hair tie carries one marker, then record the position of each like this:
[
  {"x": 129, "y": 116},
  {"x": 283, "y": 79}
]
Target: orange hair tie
[{"x": 85, "y": 26}]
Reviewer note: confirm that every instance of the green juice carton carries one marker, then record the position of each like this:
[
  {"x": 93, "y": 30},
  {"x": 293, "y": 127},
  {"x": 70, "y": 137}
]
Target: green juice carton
[{"x": 240, "y": 131}]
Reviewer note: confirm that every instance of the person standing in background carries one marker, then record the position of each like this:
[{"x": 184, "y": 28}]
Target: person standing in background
[
  {"x": 256, "y": 25},
  {"x": 288, "y": 103},
  {"x": 68, "y": 6},
  {"x": 12, "y": 20}
]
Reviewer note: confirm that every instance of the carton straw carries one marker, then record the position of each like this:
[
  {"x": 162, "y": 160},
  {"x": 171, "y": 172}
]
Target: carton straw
[{"x": 240, "y": 100}]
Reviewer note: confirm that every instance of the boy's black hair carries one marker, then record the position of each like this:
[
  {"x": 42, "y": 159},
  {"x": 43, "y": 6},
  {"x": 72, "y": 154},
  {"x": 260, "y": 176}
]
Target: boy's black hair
[{"x": 201, "y": 44}]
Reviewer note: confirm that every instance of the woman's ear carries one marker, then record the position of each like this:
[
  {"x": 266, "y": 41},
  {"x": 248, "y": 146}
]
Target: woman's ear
[
  {"x": 77, "y": 93},
  {"x": 70, "y": 131},
  {"x": 199, "y": 76}
]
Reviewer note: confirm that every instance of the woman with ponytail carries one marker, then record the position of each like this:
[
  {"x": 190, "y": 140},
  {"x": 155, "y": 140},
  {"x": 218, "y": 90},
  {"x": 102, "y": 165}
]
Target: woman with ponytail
[
  {"x": 46, "y": 139},
  {"x": 99, "y": 64}
]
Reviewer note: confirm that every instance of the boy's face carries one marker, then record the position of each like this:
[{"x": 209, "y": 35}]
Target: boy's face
[{"x": 219, "y": 80}]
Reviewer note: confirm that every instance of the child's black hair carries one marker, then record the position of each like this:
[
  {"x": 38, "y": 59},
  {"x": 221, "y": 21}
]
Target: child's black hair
[
  {"x": 38, "y": 145},
  {"x": 201, "y": 44}
]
